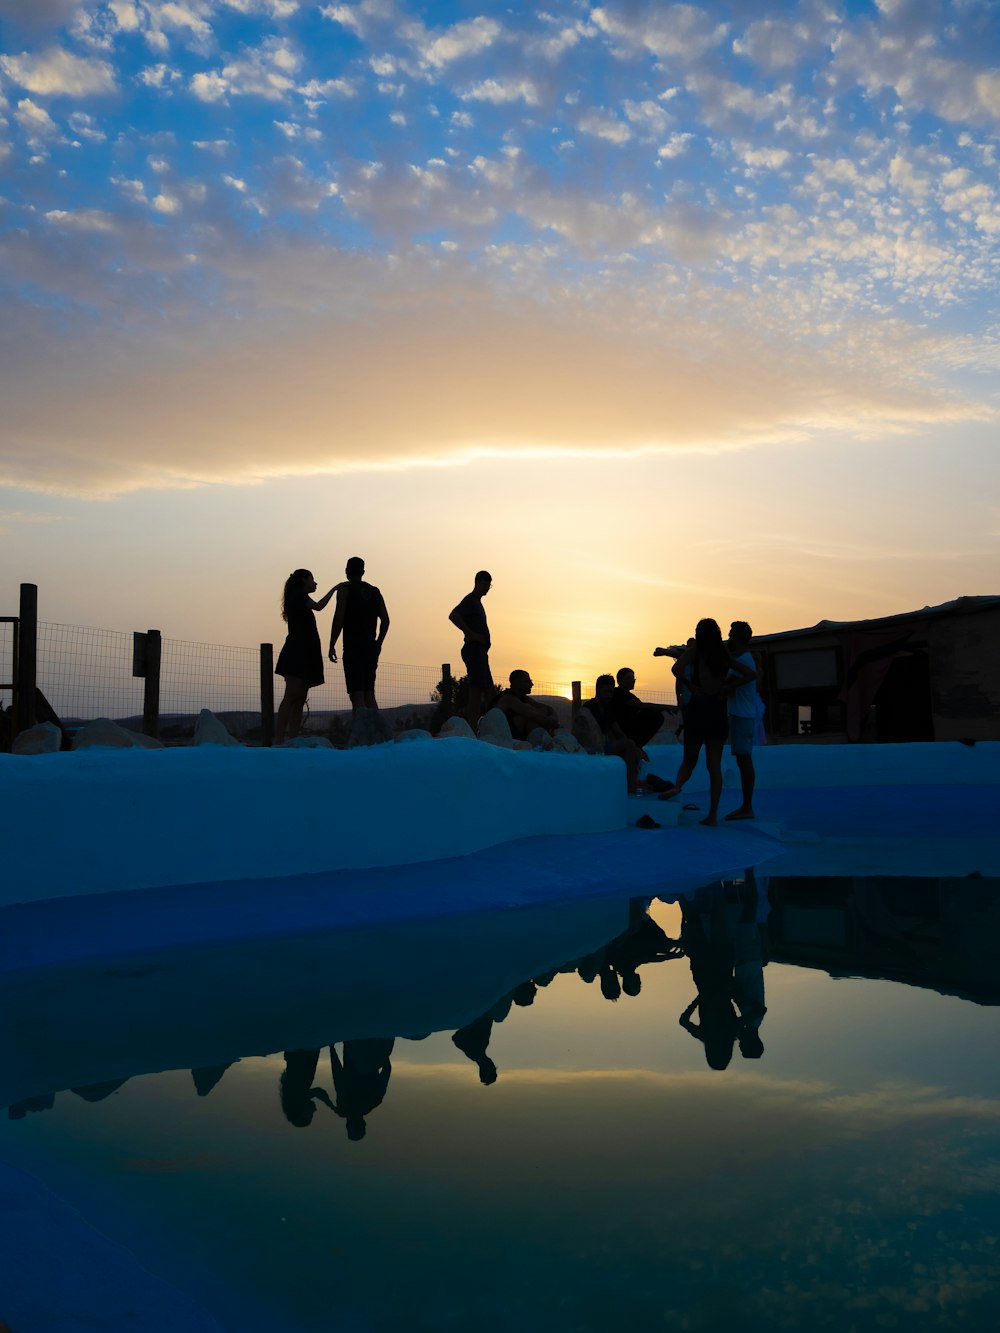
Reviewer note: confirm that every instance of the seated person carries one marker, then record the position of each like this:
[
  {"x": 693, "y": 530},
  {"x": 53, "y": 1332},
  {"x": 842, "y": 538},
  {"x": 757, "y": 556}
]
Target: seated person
[
  {"x": 639, "y": 721},
  {"x": 524, "y": 714},
  {"x": 602, "y": 709}
]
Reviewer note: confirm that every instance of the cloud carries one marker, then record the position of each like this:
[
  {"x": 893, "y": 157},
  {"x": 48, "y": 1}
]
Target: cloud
[
  {"x": 502, "y": 91},
  {"x": 267, "y": 72},
  {"x": 681, "y": 31},
  {"x": 421, "y": 374},
  {"x": 457, "y": 42},
  {"x": 59, "y": 73},
  {"x": 35, "y": 121}
]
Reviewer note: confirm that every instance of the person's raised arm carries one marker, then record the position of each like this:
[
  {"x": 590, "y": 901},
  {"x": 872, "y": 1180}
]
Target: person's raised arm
[{"x": 321, "y": 604}]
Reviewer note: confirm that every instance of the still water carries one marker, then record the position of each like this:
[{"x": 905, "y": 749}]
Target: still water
[{"x": 773, "y": 1104}]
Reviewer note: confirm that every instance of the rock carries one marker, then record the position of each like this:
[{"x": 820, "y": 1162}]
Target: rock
[
  {"x": 308, "y": 743},
  {"x": 414, "y": 734},
  {"x": 566, "y": 743},
  {"x": 587, "y": 732},
  {"x": 539, "y": 739},
  {"x": 208, "y": 730},
  {"x": 42, "y": 738},
  {"x": 494, "y": 728},
  {"x": 102, "y": 731},
  {"x": 457, "y": 726},
  {"x": 368, "y": 727}
]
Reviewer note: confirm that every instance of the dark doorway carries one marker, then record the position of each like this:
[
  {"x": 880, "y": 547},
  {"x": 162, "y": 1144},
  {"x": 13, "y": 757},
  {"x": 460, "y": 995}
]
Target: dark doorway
[{"x": 903, "y": 702}]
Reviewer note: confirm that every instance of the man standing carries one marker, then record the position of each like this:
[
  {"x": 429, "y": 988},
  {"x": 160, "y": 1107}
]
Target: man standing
[
  {"x": 742, "y": 708},
  {"x": 362, "y": 616},
  {"x": 470, "y": 617}
]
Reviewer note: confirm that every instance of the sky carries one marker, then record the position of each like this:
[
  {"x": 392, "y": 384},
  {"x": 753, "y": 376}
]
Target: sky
[{"x": 655, "y": 311}]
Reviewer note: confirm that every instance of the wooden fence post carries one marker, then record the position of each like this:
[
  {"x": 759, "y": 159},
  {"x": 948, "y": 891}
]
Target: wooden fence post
[
  {"x": 577, "y": 699},
  {"x": 26, "y": 667},
  {"x": 151, "y": 685},
  {"x": 267, "y": 694},
  {"x": 447, "y": 686}
]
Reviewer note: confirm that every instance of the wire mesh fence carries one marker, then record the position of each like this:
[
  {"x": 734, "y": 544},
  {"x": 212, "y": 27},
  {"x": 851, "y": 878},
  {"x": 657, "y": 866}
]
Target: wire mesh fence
[{"x": 87, "y": 673}]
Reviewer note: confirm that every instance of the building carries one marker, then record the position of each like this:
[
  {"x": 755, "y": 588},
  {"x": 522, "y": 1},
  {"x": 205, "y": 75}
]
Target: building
[{"x": 918, "y": 676}]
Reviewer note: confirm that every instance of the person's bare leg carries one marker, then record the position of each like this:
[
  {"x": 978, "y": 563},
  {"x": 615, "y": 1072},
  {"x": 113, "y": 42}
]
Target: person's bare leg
[
  {"x": 744, "y": 762},
  {"x": 357, "y": 698},
  {"x": 713, "y": 762},
  {"x": 474, "y": 708},
  {"x": 289, "y": 717},
  {"x": 688, "y": 765},
  {"x": 370, "y": 700}
]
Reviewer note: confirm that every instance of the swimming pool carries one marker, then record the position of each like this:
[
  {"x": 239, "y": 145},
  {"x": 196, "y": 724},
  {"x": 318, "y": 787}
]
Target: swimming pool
[{"x": 509, "y": 1131}]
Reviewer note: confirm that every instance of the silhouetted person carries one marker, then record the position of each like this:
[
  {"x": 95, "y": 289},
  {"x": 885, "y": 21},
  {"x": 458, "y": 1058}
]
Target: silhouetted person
[
  {"x": 360, "y": 1080},
  {"x": 725, "y": 950},
  {"x": 470, "y": 617},
  {"x": 301, "y": 658},
  {"x": 361, "y": 614},
  {"x": 715, "y": 673},
  {"x": 523, "y": 713},
  {"x": 742, "y": 708},
  {"x": 295, "y": 1088},
  {"x": 602, "y": 709},
  {"x": 473, "y": 1041},
  {"x": 639, "y": 721}
]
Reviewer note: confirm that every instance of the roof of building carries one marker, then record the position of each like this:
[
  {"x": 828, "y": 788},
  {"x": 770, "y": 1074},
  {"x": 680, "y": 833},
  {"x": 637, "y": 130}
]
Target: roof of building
[{"x": 958, "y": 605}]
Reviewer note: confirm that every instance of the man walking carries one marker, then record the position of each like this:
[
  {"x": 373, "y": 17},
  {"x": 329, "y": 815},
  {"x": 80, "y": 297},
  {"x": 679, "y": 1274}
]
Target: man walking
[
  {"x": 470, "y": 617},
  {"x": 361, "y": 614},
  {"x": 742, "y": 708}
]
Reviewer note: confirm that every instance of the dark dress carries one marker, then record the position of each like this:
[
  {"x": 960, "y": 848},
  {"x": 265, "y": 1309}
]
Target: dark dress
[{"x": 301, "y": 655}]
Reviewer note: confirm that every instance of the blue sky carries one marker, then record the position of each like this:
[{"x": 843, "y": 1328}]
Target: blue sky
[{"x": 266, "y": 246}]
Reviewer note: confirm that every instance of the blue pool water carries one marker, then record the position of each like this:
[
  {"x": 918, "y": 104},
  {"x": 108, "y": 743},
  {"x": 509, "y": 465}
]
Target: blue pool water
[{"x": 520, "y": 1119}]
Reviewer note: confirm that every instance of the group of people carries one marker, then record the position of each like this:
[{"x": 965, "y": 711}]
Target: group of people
[
  {"x": 360, "y": 616},
  {"x": 716, "y": 684}
]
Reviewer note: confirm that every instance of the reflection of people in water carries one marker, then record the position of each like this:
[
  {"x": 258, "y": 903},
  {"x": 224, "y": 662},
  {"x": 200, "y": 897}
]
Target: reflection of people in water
[
  {"x": 723, "y": 942},
  {"x": 617, "y": 964},
  {"x": 474, "y": 1039},
  {"x": 296, "y": 1087},
  {"x": 360, "y": 1080}
]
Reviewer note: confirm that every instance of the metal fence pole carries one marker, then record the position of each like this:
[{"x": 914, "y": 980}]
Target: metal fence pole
[
  {"x": 26, "y": 670},
  {"x": 447, "y": 686},
  {"x": 151, "y": 685},
  {"x": 267, "y": 694},
  {"x": 577, "y": 699}
]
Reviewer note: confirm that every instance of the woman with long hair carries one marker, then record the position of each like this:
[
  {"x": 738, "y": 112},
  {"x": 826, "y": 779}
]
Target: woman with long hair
[
  {"x": 714, "y": 674},
  {"x": 301, "y": 658}
]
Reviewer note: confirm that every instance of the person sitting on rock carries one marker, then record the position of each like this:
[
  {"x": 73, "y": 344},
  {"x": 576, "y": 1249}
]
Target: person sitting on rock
[
  {"x": 602, "y": 709},
  {"x": 522, "y": 713},
  {"x": 639, "y": 721}
]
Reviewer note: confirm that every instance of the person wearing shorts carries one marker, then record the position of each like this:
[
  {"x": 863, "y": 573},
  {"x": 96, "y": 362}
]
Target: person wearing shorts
[
  {"x": 742, "y": 707},
  {"x": 470, "y": 617},
  {"x": 362, "y": 616}
]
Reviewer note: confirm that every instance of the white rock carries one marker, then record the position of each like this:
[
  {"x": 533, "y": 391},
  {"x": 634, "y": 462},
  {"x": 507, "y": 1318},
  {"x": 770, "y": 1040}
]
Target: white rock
[
  {"x": 208, "y": 730},
  {"x": 587, "y": 732},
  {"x": 42, "y": 738},
  {"x": 369, "y": 727},
  {"x": 494, "y": 727},
  {"x": 566, "y": 743},
  {"x": 103, "y": 732},
  {"x": 457, "y": 726}
]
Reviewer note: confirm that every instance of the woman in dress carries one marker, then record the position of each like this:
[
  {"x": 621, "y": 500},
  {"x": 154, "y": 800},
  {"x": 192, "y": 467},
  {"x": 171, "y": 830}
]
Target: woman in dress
[
  {"x": 714, "y": 674},
  {"x": 301, "y": 658}
]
